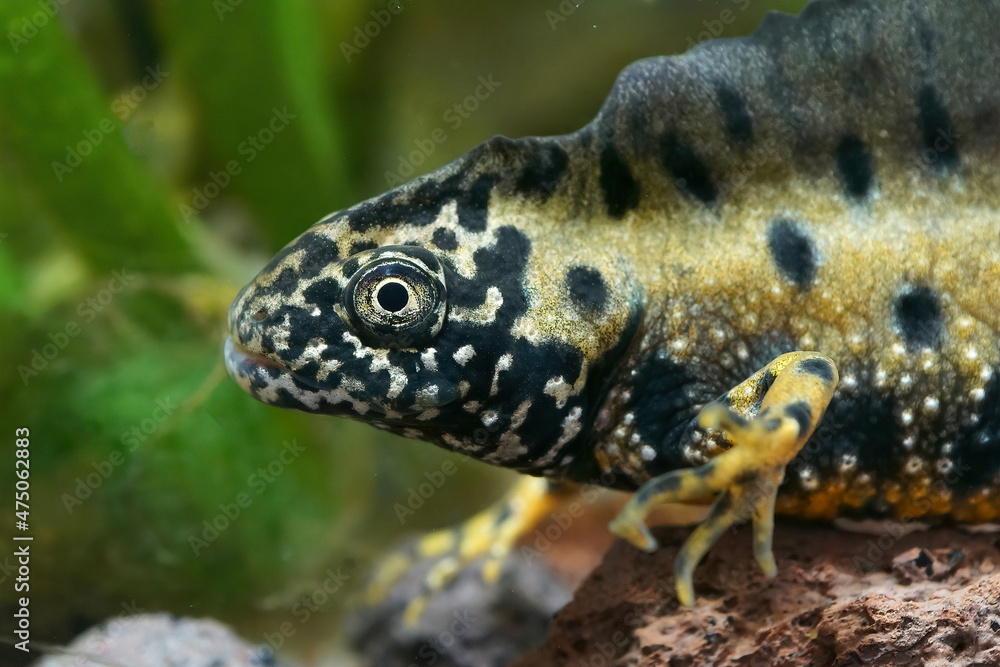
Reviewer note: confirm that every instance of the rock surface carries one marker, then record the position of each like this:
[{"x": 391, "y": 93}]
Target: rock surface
[
  {"x": 159, "y": 640},
  {"x": 840, "y": 598}
]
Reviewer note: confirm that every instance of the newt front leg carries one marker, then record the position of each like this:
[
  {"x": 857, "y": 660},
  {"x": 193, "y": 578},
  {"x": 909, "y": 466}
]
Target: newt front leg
[{"x": 789, "y": 397}]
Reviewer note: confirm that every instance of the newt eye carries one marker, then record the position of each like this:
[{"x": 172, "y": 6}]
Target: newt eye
[
  {"x": 392, "y": 295},
  {"x": 398, "y": 299}
]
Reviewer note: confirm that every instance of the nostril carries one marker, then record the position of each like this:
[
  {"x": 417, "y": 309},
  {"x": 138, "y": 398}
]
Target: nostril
[{"x": 260, "y": 315}]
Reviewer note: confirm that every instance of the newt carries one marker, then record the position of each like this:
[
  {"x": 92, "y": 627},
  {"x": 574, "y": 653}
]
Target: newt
[{"x": 767, "y": 272}]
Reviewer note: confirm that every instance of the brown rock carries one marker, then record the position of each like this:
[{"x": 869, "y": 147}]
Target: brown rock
[{"x": 840, "y": 598}]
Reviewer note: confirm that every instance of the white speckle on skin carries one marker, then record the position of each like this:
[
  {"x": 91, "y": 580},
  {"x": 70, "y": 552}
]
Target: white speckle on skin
[
  {"x": 485, "y": 313},
  {"x": 489, "y": 418},
  {"x": 570, "y": 427},
  {"x": 909, "y": 441},
  {"x": 503, "y": 364},
  {"x": 428, "y": 414},
  {"x": 398, "y": 380},
  {"x": 558, "y": 389},
  {"x": 971, "y": 353},
  {"x": 945, "y": 466},
  {"x": 977, "y": 394},
  {"x": 510, "y": 448},
  {"x": 472, "y": 406},
  {"x": 464, "y": 354},
  {"x": 849, "y": 381},
  {"x": 931, "y": 404},
  {"x": 808, "y": 478},
  {"x": 520, "y": 414},
  {"x": 647, "y": 453},
  {"x": 906, "y": 380},
  {"x": 427, "y": 396},
  {"x": 429, "y": 360},
  {"x": 906, "y": 417},
  {"x": 898, "y": 349},
  {"x": 628, "y": 418}
]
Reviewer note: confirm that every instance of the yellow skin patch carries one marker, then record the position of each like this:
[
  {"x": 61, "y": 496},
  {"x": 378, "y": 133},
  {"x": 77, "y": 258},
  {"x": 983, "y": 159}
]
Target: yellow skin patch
[{"x": 491, "y": 533}]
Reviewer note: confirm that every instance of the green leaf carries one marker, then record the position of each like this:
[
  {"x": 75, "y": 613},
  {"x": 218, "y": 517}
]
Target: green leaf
[
  {"x": 71, "y": 156},
  {"x": 265, "y": 117}
]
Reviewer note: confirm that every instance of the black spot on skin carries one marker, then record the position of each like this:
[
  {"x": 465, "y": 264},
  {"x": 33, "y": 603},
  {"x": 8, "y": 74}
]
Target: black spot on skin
[
  {"x": 818, "y": 367},
  {"x": 321, "y": 251},
  {"x": 765, "y": 383},
  {"x": 919, "y": 319},
  {"x": 735, "y": 116},
  {"x": 285, "y": 283},
  {"x": 861, "y": 425},
  {"x": 693, "y": 175},
  {"x": 621, "y": 192},
  {"x": 321, "y": 293},
  {"x": 801, "y": 414},
  {"x": 668, "y": 484},
  {"x": 940, "y": 148},
  {"x": 587, "y": 288},
  {"x": 444, "y": 239},
  {"x": 664, "y": 409},
  {"x": 502, "y": 266},
  {"x": 419, "y": 208},
  {"x": 472, "y": 208},
  {"x": 855, "y": 166},
  {"x": 360, "y": 246},
  {"x": 542, "y": 172},
  {"x": 793, "y": 252},
  {"x": 350, "y": 267}
]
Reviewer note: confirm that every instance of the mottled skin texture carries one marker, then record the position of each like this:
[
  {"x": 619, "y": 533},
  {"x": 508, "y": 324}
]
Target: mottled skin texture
[{"x": 830, "y": 183}]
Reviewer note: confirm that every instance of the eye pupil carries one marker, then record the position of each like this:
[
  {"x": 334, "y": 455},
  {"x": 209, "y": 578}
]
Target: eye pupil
[{"x": 392, "y": 296}]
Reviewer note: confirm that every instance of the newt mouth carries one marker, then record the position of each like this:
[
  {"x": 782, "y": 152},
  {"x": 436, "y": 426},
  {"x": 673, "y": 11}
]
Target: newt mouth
[
  {"x": 254, "y": 371},
  {"x": 239, "y": 360}
]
